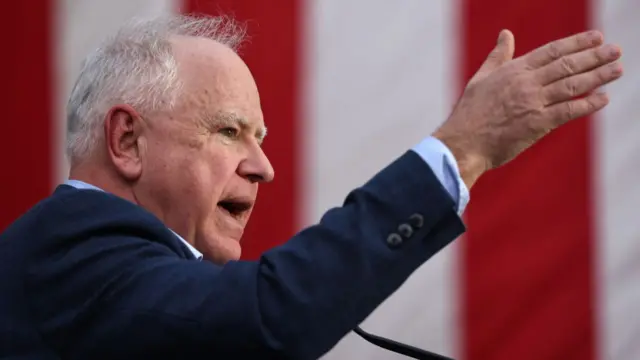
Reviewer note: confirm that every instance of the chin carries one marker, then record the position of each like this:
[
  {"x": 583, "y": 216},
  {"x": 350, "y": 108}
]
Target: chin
[{"x": 221, "y": 252}]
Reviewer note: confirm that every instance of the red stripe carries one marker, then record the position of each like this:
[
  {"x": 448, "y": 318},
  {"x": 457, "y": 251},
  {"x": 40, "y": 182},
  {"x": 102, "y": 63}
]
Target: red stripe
[
  {"x": 529, "y": 249},
  {"x": 272, "y": 55},
  {"x": 27, "y": 116}
]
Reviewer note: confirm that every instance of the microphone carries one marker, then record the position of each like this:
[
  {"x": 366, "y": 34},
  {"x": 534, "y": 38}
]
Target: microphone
[{"x": 399, "y": 348}]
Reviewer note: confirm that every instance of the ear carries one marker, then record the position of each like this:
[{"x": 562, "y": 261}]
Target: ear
[{"x": 123, "y": 128}]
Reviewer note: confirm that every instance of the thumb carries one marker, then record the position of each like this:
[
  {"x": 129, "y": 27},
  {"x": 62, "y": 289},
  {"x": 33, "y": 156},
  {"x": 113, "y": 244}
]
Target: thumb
[{"x": 500, "y": 54}]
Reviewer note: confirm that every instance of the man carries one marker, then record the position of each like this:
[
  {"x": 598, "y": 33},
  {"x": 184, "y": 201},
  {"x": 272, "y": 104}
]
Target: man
[{"x": 164, "y": 141}]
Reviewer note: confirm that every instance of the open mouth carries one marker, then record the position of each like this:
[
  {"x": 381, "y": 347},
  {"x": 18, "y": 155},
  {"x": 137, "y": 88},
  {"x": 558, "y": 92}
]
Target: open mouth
[{"x": 237, "y": 208}]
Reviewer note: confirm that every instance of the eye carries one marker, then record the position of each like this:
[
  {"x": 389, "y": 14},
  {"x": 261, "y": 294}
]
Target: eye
[{"x": 229, "y": 132}]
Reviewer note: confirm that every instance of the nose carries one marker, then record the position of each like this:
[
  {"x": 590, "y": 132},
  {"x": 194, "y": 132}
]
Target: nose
[{"x": 256, "y": 167}]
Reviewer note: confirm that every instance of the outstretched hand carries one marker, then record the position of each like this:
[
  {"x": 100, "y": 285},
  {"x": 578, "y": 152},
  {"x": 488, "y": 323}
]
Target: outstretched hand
[{"x": 509, "y": 104}]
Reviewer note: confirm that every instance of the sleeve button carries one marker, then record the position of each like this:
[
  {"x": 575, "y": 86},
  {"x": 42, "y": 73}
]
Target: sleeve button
[
  {"x": 394, "y": 240},
  {"x": 416, "y": 220},
  {"x": 405, "y": 230}
]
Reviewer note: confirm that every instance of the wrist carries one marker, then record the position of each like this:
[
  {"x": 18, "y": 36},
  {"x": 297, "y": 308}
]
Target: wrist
[
  {"x": 470, "y": 164},
  {"x": 471, "y": 168}
]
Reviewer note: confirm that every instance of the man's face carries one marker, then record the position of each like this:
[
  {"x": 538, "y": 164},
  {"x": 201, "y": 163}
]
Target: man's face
[{"x": 202, "y": 162}]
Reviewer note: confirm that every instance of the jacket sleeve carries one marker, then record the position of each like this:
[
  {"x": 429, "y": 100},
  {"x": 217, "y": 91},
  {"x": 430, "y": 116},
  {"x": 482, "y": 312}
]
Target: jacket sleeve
[{"x": 123, "y": 296}]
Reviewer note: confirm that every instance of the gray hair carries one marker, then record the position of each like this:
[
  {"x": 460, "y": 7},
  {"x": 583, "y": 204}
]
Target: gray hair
[{"x": 135, "y": 67}]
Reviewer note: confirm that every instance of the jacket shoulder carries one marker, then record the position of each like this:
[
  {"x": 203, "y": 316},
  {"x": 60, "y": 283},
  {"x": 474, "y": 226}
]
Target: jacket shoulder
[{"x": 70, "y": 214}]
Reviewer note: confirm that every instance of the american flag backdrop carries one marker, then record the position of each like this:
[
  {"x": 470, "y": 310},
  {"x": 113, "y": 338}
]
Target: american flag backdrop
[{"x": 550, "y": 265}]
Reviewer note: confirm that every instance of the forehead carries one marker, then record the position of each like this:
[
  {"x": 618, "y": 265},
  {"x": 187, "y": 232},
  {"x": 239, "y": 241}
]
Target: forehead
[{"x": 216, "y": 83}]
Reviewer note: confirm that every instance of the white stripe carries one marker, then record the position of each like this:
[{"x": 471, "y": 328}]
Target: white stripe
[
  {"x": 79, "y": 27},
  {"x": 379, "y": 78},
  {"x": 618, "y": 176}
]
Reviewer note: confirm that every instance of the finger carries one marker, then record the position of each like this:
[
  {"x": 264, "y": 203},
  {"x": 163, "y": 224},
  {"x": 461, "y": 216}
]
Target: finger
[
  {"x": 578, "y": 63},
  {"x": 559, "y": 48},
  {"x": 577, "y": 85},
  {"x": 566, "y": 111},
  {"x": 501, "y": 53}
]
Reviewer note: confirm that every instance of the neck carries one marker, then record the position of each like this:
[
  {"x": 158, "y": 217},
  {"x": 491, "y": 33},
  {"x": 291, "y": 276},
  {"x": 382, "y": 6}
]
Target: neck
[{"x": 101, "y": 177}]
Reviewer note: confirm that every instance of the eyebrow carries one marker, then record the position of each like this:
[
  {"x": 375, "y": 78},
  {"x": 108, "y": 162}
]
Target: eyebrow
[{"x": 231, "y": 118}]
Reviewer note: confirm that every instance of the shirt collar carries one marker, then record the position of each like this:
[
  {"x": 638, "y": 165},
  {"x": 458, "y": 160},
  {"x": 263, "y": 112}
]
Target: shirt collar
[{"x": 85, "y": 186}]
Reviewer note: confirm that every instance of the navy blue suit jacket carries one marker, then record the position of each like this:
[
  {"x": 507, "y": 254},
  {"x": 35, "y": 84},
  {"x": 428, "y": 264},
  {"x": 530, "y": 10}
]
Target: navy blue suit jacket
[{"x": 87, "y": 275}]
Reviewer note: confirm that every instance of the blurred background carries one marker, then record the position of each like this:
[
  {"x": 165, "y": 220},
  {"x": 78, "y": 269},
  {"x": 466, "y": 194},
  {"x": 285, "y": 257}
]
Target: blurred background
[{"x": 550, "y": 265}]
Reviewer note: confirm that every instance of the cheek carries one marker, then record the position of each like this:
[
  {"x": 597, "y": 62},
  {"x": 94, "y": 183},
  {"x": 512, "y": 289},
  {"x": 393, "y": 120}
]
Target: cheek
[
  {"x": 193, "y": 179},
  {"x": 219, "y": 171},
  {"x": 211, "y": 175},
  {"x": 184, "y": 177}
]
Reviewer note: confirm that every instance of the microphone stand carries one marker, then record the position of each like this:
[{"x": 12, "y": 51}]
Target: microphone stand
[{"x": 399, "y": 348}]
